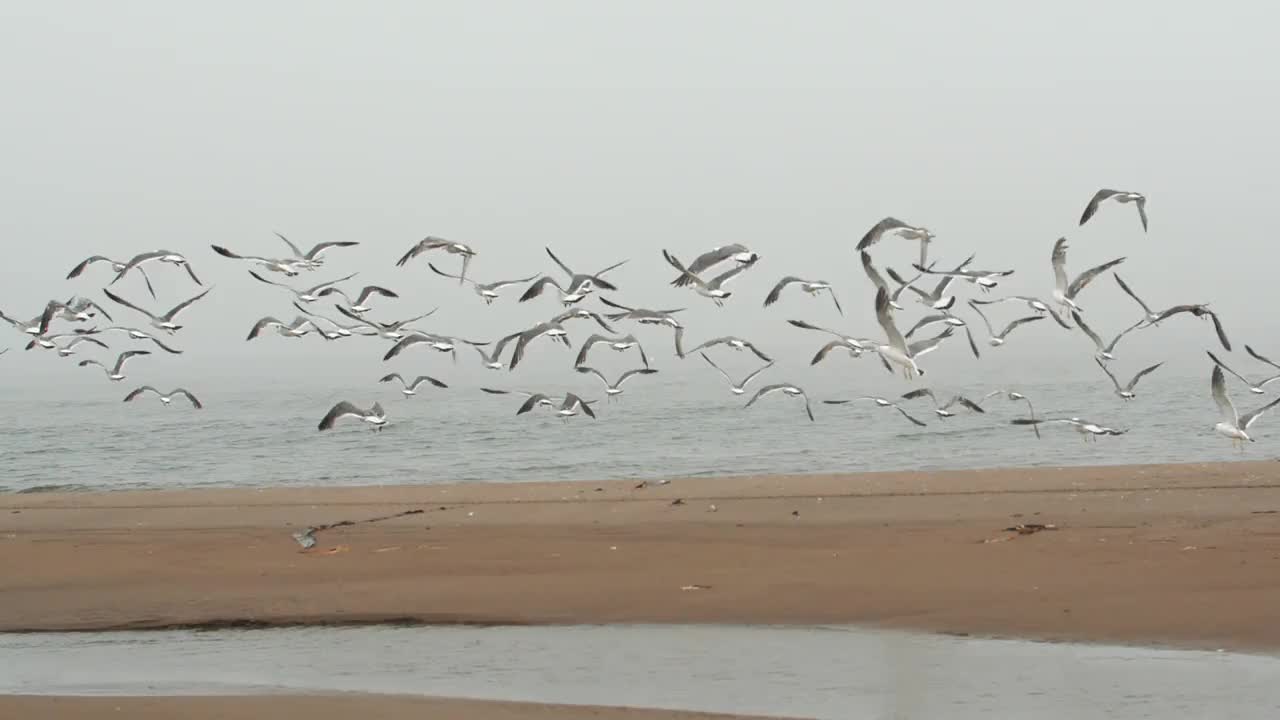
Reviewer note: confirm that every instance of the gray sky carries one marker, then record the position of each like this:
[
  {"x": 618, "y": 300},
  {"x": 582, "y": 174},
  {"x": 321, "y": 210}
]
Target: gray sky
[{"x": 609, "y": 131}]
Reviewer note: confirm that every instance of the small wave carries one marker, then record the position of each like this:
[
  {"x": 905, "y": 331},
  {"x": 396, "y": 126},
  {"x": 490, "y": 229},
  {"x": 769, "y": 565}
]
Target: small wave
[{"x": 54, "y": 487}]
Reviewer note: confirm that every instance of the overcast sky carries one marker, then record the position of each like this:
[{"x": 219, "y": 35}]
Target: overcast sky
[{"x": 609, "y": 131}]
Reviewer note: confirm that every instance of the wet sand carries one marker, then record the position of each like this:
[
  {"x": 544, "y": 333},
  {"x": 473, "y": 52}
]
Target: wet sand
[
  {"x": 1186, "y": 555},
  {"x": 315, "y": 707}
]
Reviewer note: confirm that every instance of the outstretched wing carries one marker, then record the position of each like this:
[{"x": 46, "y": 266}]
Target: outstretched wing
[
  {"x": 1092, "y": 207},
  {"x": 1087, "y": 330},
  {"x": 1142, "y": 373},
  {"x": 121, "y": 301},
  {"x": 184, "y": 305},
  {"x": 1260, "y": 358},
  {"x": 1125, "y": 287},
  {"x": 1247, "y": 420},
  {"x": 1059, "y": 260},
  {"x": 773, "y": 295},
  {"x": 1218, "y": 386},
  {"x": 195, "y": 402},
  {"x": 339, "y": 411},
  {"x": 1087, "y": 276}
]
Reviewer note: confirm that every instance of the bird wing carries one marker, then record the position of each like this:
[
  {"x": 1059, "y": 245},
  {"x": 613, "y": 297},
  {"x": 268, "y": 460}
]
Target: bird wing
[
  {"x": 530, "y": 402},
  {"x": 717, "y": 367},
  {"x": 1087, "y": 330},
  {"x": 1247, "y": 419},
  {"x": 322, "y": 286},
  {"x": 592, "y": 371},
  {"x": 637, "y": 371},
  {"x": 427, "y": 378},
  {"x": 292, "y": 248},
  {"x": 1092, "y": 207},
  {"x": 1141, "y": 373},
  {"x": 537, "y": 287},
  {"x": 374, "y": 290},
  {"x": 235, "y": 256},
  {"x": 925, "y": 321},
  {"x": 138, "y": 260},
  {"x": 404, "y": 344},
  {"x": 128, "y": 354},
  {"x": 1108, "y": 372},
  {"x": 773, "y": 295},
  {"x": 319, "y": 248},
  {"x": 1142, "y": 211},
  {"x": 885, "y": 317},
  {"x": 685, "y": 276},
  {"x": 184, "y": 305},
  {"x": 945, "y": 282},
  {"x": 908, "y": 416},
  {"x": 1218, "y": 386},
  {"x": 727, "y": 275},
  {"x": 831, "y": 291},
  {"x": 135, "y": 393},
  {"x": 874, "y": 275},
  {"x": 919, "y": 393},
  {"x": 438, "y": 271},
  {"x": 261, "y": 325},
  {"x": 969, "y": 404},
  {"x": 973, "y": 346},
  {"x": 1087, "y": 276},
  {"x": 195, "y": 402},
  {"x": 1112, "y": 345},
  {"x": 873, "y": 235},
  {"x": 616, "y": 305},
  {"x": 1059, "y": 261},
  {"x": 753, "y": 374},
  {"x": 826, "y": 350},
  {"x": 1260, "y": 358},
  {"x": 903, "y": 284},
  {"x": 1125, "y": 287},
  {"x": 716, "y": 256},
  {"x": 1020, "y": 321},
  {"x": 920, "y": 347},
  {"x": 1222, "y": 333},
  {"x": 586, "y": 347},
  {"x": 1224, "y": 366},
  {"x": 752, "y": 347},
  {"x": 339, "y": 411},
  {"x": 570, "y": 400},
  {"x": 767, "y": 389},
  {"x": 75, "y": 271},
  {"x": 556, "y": 260},
  {"x": 121, "y": 301},
  {"x": 391, "y": 376},
  {"x": 990, "y": 330}
]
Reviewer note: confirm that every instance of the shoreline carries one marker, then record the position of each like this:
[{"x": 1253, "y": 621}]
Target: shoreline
[{"x": 1147, "y": 554}]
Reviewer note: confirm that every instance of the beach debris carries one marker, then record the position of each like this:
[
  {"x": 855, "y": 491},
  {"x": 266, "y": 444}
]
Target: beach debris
[
  {"x": 712, "y": 508},
  {"x": 688, "y": 588},
  {"x": 335, "y": 550},
  {"x": 1020, "y": 529},
  {"x": 307, "y": 537},
  {"x": 678, "y": 501},
  {"x": 393, "y": 548}
]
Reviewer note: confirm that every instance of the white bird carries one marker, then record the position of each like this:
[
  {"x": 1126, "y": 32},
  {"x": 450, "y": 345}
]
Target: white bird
[
  {"x": 166, "y": 399},
  {"x": 116, "y": 266},
  {"x": 582, "y": 314},
  {"x": 984, "y": 279},
  {"x": 1255, "y": 388},
  {"x": 737, "y": 388},
  {"x": 612, "y": 390},
  {"x": 1105, "y": 350},
  {"x": 487, "y": 291},
  {"x": 642, "y": 315},
  {"x": 311, "y": 259},
  {"x": 855, "y": 350},
  {"x": 876, "y": 279},
  {"x": 306, "y": 295},
  {"x": 619, "y": 344},
  {"x": 1015, "y": 396},
  {"x": 410, "y": 389},
  {"x": 360, "y": 305},
  {"x": 339, "y": 330},
  {"x": 1233, "y": 424},
  {"x": 570, "y": 407},
  {"x": 882, "y": 402},
  {"x": 997, "y": 339},
  {"x": 116, "y": 372},
  {"x": 553, "y": 330},
  {"x": 79, "y": 309},
  {"x": 1064, "y": 293},
  {"x": 1037, "y": 305},
  {"x": 1126, "y": 392},
  {"x": 943, "y": 409},
  {"x": 855, "y": 345},
  {"x": 493, "y": 360},
  {"x": 1151, "y": 315},
  {"x": 713, "y": 288},
  {"x": 280, "y": 265},
  {"x": 375, "y": 416},
  {"x": 136, "y": 334},
  {"x": 579, "y": 286},
  {"x": 950, "y": 320},
  {"x": 160, "y": 322},
  {"x": 1086, "y": 428},
  {"x": 436, "y": 243},
  {"x": 387, "y": 330},
  {"x": 1199, "y": 311},
  {"x": 1120, "y": 196},
  {"x": 439, "y": 343},
  {"x": 785, "y": 389},
  {"x": 736, "y": 343},
  {"x": 812, "y": 287},
  {"x": 38, "y": 326},
  {"x": 49, "y": 342},
  {"x": 299, "y": 327},
  {"x": 894, "y": 226},
  {"x": 736, "y": 252},
  {"x": 937, "y": 299},
  {"x": 162, "y": 256},
  {"x": 895, "y": 350},
  {"x": 543, "y": 399}
]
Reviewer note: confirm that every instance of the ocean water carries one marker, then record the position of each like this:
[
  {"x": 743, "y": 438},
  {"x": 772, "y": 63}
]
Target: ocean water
[
  {"x": 665, "y": 425},
  {"x": 816, "y": 672}
]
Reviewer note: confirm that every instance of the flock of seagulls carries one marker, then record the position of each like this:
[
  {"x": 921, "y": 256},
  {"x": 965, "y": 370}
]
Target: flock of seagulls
[{"x": 80, "y": 322}]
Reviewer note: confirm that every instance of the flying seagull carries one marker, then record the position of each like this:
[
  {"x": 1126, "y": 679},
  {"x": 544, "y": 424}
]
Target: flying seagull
[
  {"x": 642, "y": 315},
  {"x": 160, "y": 322},
  {"x": 1086, "y": 428},
  {"x": 49, "y": 342},
  {"x": 737, "y": 252},
  {"x": 163, "y": 256},
  {"x": 388, "y": 330},
  {"x": 730, "y": 341},
  {"x": 361, "y": 304},
  {"x": 307, "y": 295},
  {"x": 812, "y": 287},
  {"x": 570, "y": 407},
  {"x": 166, "y": 399},
  {"x": 487, "y": 291},
  {"x": 713, "y": 288},
  {"x": 785, "y": 389},
  {"x": 439, "y": 343},
  {"x": 952, "y": 321},
  {"x": 895, "y": 350},
  {"x": 493, "y": 360},
  {"x": 436, "y": 243},
  {"x": 582, "y": 314},
  {"x": 339, "y": 330},
  {"x": 942, "y": 409},
  {"x": 116, "y": 372},
  {"x": 860, "y": 344},
  {"x": 1120, "y": 196},
  {"x": 38, "y": 326},
  {"x": 1126, "y": 392},
  {"x": 1255, "y": 388},
  {"x": 1064, "y": 293},
  {"x": 854, "y": 349},
  {"x": 410, "y": 389},
  {"x": 555, "y": 331},
  {"x": 288, "y": 267},
  {"x": 881, "y": 402},
  {"x": 878, "y": 281},
  {"x": 116, "y": 265},
  {"x": 375, "y": 416},
  {"x": 311, "y": 259},
  {"x": 79, "y": 309},
  {"x": 620, "y": 344},
  {"x": 938, "y": 298},
  {"x": 1036, "y": 304},
  {"x": 612, "y": 390},
  {"x": 1199, "y": 311},
  {"x": 136, "y": 334},
  {"x": 1105, "y": 350},
  {"x": 1014, "y": 396},
  {"x": 1233, "y": 424},
  {"x": 984, "y": 279},
  {"x": 894, "y": 226},
  {"x": 997, "y": 339},
  {"x": 543, "y": 399},
  {"x": 738, "y": 388},
  {"x": 1150, "y": 314},
  {"x": 579, "y": 285},
  {"x": 299, "y": 327}
]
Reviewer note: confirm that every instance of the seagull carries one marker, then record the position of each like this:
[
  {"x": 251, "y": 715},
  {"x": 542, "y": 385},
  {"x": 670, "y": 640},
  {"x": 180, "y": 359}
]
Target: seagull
[
  {"x": 855, "y": 350},
  {"x": 493, "y": 360},
  {"x": 116, "y": 373},
  {"x": 1257, "y": 388},
  {"x": 613, "y": 390},
  {"x": 339, "y": 330},
  {"x": 311, "y": 259},
  {"x": 736, "y": 252},
  {"x": 713, "y": 288},
  {"x": 738, "y": 388},
  {"x": 435, "y": 243},
  {"x": 1036, "y": 304},
  {"x": 1233, "y": 424},
  {"x": 164, "y": 256},
  {"x": 542, "y": 399},
  {"x": 116, "y": 265},
  {"x": 894, "y": 226},
  {"x": 160, "y": 322},
  {"x": 375, "y": 416},
  {"x": 487, "y": 291},
  {"x": 579, "y": 285},
  {"x": 895, "y": 349},
  {"x": 439, "y": 343},
  {"x": 785, "y": 389},
  {"x": 1126, "y": 392},
  {"x": 813, "y": 287},
  {"x": 1014, "y": 396},
  {"x": 1120, "y": 196},
  {"x": 288, "y": 267},
  {"x": 878, "y": 281},
  {"x": 49, "y": 342},
  {"x": 581, "y": 314},
  {"x": 882, "y": 402},
  {"x": 985, "y": 279},
  {"x": 410, "y": 389},
  {"x": 38, "y": 326},
  {"x": 308, "y": 295},
  {"x": 553, "y": 330},
  {"x": 998, "y": 338},
  {"x": 951, "y": 321},
  {"x": 136, "y": 334},
  {"x": 1150, "y": 315},
  {"x": 942, "y": 410},
  {"x": 1064, "y": 293},
  {"x": 938, "y": 299},
  {"x": 390, "y": 330},
  {"x": 860, "y": 344},
  {"x": 1199, "y": 311},
  {"x": 299, "y": 327},
  {"x": 620, "y": 344},
  {"x": 79, "y": 309},
  {"x": 360, "y": 306},
  {"x": 166, "y": 399},
  {"x": 1104, "y": 350},
  {"x": 736, "y": 343},
  {"x": 1086, "y": 428},
  {"x": 570, "y": 407},
  {"x": 641, "y": 315}
]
